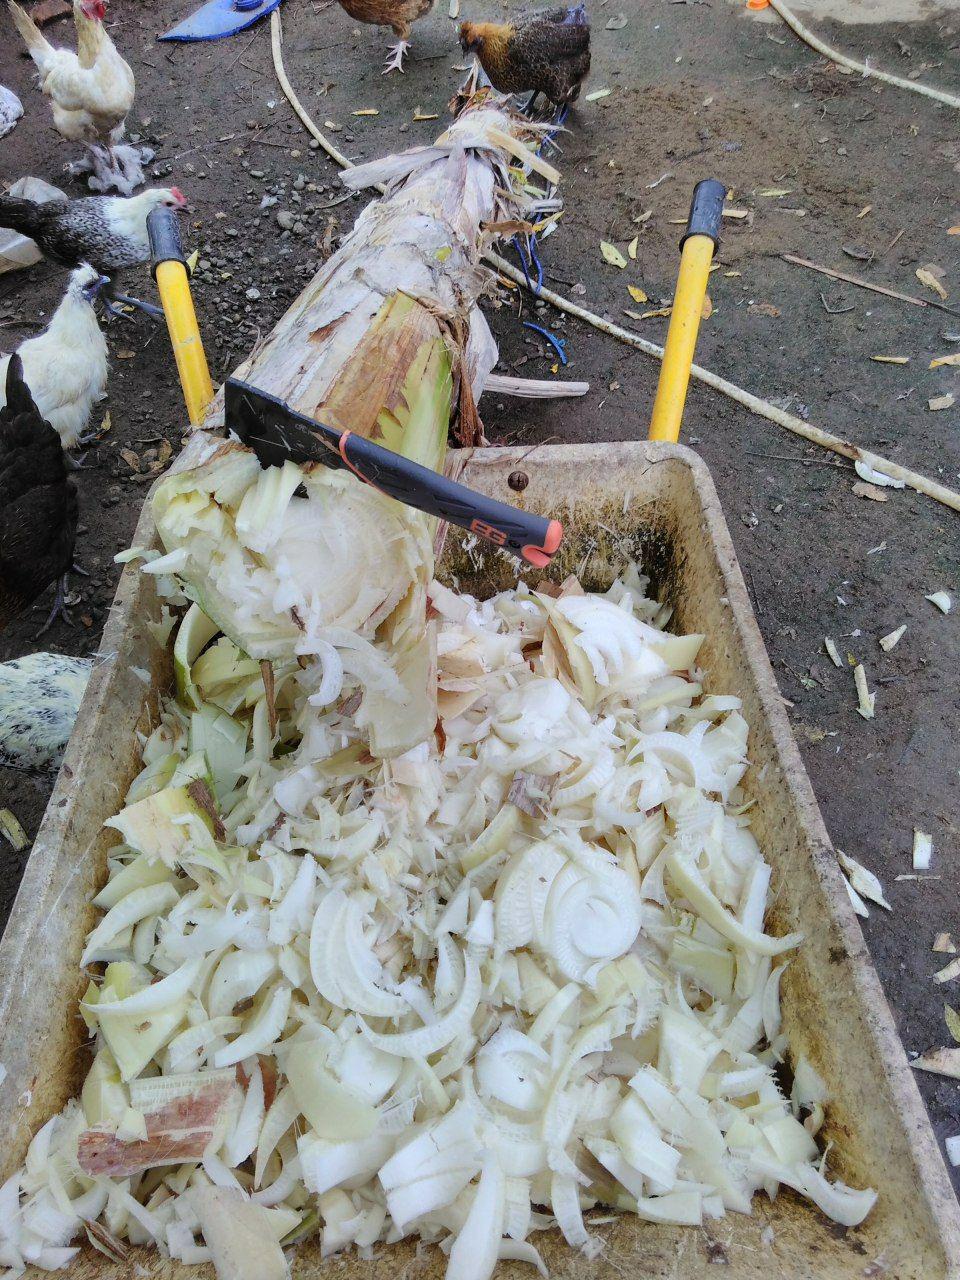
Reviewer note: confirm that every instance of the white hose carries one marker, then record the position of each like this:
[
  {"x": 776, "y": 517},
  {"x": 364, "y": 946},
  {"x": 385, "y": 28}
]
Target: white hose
[{"x": 841, "y": 59}]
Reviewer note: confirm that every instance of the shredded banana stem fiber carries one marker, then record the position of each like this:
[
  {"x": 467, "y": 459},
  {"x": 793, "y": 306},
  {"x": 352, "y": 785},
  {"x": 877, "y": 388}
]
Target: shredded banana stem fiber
[{"x": 466, "y": 993}]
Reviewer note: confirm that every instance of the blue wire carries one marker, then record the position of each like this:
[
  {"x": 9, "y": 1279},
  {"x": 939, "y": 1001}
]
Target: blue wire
[
  {"x": 534, "y": 257},
  {"x": 558, "y": 344},
  {"x": 518, "y": 245}
]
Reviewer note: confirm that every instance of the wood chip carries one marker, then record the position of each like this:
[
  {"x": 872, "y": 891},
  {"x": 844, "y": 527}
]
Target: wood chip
[
  {"x": 948, "y": 972},
  {"x": 941, "y": 600},
  {"x": 936, "y": 403},
  {"x": 636, "y": 293},
  {"x": 176, "y": 1133},
  {"x": 865, "y": 699},
  {"x": 944, "y": 944},
  {"x": 864, "y": 490},
  {"x": 632, "y": 249},
  {"x": 201, "y": 795},
  {"x": 269, "y": 688},
  {"x": 131, "y": 459},
  {"x": 597, "y": 95},
  {"x": 891, "y": 359},
  {"x": 940, "y": 1062},
  {"x": 892, "y": 639},
  {"x": 832, "y": 653},
  {"x": 940, "y": 361},
  {"x": 863, "y": 880},
  {"x": 922, "y": 850},
  {"x": 104, "y": 1242}
]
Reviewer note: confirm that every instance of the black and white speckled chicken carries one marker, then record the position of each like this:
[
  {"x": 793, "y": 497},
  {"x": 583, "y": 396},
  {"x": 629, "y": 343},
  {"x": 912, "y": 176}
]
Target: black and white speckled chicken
[
  {"x": 38, "y": 503},
  {"x": 39, "y": 699},
  {"x": 108, "y": 232},
  {"x": 541, "y": 51}
]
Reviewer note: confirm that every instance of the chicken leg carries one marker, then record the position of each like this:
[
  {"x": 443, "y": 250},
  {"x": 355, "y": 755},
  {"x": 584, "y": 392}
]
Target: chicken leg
[
  {"x": 59, "y": 609},
  {"x": 111, "y": 297},
  {"x": 395, "y": 61},
  {"x": 118, "y": 167}
]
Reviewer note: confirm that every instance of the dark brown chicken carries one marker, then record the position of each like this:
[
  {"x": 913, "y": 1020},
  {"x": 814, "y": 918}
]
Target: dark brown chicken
[
  {"x": 38, "y": 503},
  {"x": 397, "y": 14},
  {"x": 544, "y": 51}
]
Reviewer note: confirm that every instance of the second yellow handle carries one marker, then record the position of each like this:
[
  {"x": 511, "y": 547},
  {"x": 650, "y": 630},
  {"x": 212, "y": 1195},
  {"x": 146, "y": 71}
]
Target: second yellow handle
[
  {"x": 695, "y": 260},
  {"x": 174, "y": 288}
]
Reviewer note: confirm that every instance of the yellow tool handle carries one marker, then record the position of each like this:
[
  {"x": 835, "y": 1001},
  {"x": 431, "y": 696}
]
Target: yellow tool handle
[
  {"x": 173, "y": 285},
  {"x": 177, "y": 303},
  {"x": 696, "y": 255}
]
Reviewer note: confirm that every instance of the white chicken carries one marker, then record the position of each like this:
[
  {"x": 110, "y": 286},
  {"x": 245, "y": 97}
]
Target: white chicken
[
  {"x": 40, "y": 696},
  {"x": 91, "y": 92},
  {"x": 65, "y": 367}
]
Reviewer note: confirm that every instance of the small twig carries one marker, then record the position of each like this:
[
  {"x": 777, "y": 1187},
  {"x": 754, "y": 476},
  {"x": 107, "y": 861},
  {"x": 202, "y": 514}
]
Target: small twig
[
  {"x": 891, "y": 244},
  {"x": 892, "y": 679},
  {"x": 248, "y": 45},
  {"x": 790, "y": 457},
  {"x": 836, "y": 311},
  {"x": 866, "y": 284},
  {"x": 332, "y": 204},
  {"x": 756, "y": 594}
]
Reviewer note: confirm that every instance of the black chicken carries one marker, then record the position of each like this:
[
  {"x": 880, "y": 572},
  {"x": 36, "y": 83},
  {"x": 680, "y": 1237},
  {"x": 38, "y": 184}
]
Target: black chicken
[{"x": 38, "y": 504}]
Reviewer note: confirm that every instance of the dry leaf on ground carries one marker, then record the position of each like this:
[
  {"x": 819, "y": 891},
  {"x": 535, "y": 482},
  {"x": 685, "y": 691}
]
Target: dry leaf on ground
[
  {"x": 929, "y": 278},
  {"x": 864, "y": 490}
]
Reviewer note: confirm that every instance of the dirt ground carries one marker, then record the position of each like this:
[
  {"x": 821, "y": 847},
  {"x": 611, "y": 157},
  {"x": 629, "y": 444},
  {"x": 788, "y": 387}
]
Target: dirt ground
[{"x": 867, "y": 178}]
